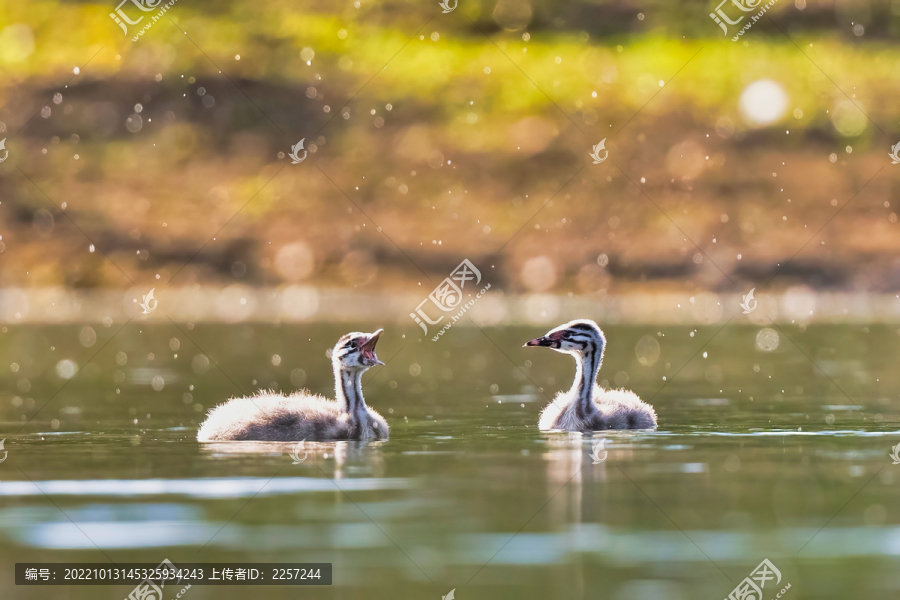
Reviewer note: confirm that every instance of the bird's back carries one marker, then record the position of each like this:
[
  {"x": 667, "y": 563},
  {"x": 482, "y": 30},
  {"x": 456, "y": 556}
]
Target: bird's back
[
  {"x": 273, "y": 417},
  {"x": 623, "y": 409},
  {"x": 615, "y": 409}
]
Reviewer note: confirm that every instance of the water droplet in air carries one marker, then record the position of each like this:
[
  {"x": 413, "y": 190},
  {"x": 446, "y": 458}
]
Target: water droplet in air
[
  {"x": 767, "y": 340},
  {"x": 647, "y": 350},
  {"x": 134, "y": 123},
  {"x": 87, "y": 337},
  {"x": 66, "y": 369}
]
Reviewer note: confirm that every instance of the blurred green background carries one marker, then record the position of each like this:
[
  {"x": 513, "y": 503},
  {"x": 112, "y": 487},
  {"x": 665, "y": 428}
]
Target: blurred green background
[{"x": 480, "y": 117}]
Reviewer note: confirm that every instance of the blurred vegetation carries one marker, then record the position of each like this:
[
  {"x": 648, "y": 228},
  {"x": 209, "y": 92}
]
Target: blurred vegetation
[{"x": 453, "y": 149}]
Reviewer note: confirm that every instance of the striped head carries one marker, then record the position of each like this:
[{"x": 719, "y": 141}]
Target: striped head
[
  {"x": 356, "y": 351},
  {"x": 581, "y": 336}
]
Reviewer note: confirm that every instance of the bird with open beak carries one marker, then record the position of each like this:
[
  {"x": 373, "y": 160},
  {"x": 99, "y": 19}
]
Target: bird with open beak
[{"x": 271, "y": 416}]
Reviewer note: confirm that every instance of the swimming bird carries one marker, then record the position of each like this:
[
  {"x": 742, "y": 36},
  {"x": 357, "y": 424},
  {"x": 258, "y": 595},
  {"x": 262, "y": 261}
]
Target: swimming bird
[
  {"x": 587, "y": 406},
  {"x": 268, "y": 416}
]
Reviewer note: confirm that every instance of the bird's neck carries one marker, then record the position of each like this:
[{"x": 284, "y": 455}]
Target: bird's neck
[
  {"x": 587, "y": 366},
  {"x": 348, "y": 391}
]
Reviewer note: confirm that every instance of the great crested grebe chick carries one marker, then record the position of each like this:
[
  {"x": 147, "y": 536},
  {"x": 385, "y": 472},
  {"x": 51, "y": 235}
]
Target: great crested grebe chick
[
  {"x": 587, "y": 406},
  {"x": 304, "y": 416}
]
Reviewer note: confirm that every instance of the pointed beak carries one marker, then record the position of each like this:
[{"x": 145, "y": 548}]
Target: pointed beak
[
  {"x": 369, "y": 346},
  {"x": 541, "y": 341}
]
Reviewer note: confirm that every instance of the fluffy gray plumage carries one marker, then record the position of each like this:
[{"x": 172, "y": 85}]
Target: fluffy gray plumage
[
  {"x": 277, "y": 418},
  {"x": 615, "y": 409},
  {"x": 587, "y": 406},
  {"x": 268, "y": 416}
]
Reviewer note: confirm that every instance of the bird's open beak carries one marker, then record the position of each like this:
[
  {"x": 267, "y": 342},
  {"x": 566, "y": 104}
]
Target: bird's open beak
[
  {"x": 542, "y": 341},
  {"x": 369, "y": 347}
]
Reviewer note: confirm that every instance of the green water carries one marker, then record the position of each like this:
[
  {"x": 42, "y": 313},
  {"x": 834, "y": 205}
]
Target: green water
[{"x": 758, "y": 455}]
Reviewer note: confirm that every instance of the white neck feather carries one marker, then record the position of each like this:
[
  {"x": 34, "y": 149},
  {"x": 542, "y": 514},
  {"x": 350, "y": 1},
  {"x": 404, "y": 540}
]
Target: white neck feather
[
  {"x": 582, "y": 392},
  {"x": 348, "y": 391}
]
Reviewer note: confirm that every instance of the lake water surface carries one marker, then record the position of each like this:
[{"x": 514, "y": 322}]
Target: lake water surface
[{"x": 772, "y": 445}]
